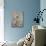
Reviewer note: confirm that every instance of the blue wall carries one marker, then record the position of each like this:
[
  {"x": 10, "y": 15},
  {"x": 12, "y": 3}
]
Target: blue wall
[
  {"x": 29, "y": 7},
  {"x": 43, "y": 6}
]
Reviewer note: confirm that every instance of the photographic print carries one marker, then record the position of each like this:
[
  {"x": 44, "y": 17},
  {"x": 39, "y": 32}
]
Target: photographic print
[{"x": 17, "y": 19}]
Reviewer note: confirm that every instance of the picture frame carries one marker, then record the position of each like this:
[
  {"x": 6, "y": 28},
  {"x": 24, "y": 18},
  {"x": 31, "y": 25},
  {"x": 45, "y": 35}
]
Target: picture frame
[{"x": 17, "y": 19}]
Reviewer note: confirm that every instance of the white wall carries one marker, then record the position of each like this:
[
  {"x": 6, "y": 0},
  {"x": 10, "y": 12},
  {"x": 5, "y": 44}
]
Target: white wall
[{"x": 1, "y": 21}]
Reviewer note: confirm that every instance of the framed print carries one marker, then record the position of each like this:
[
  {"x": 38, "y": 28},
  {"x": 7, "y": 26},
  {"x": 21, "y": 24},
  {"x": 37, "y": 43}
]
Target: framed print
[{"x": 17, "y": 19}]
